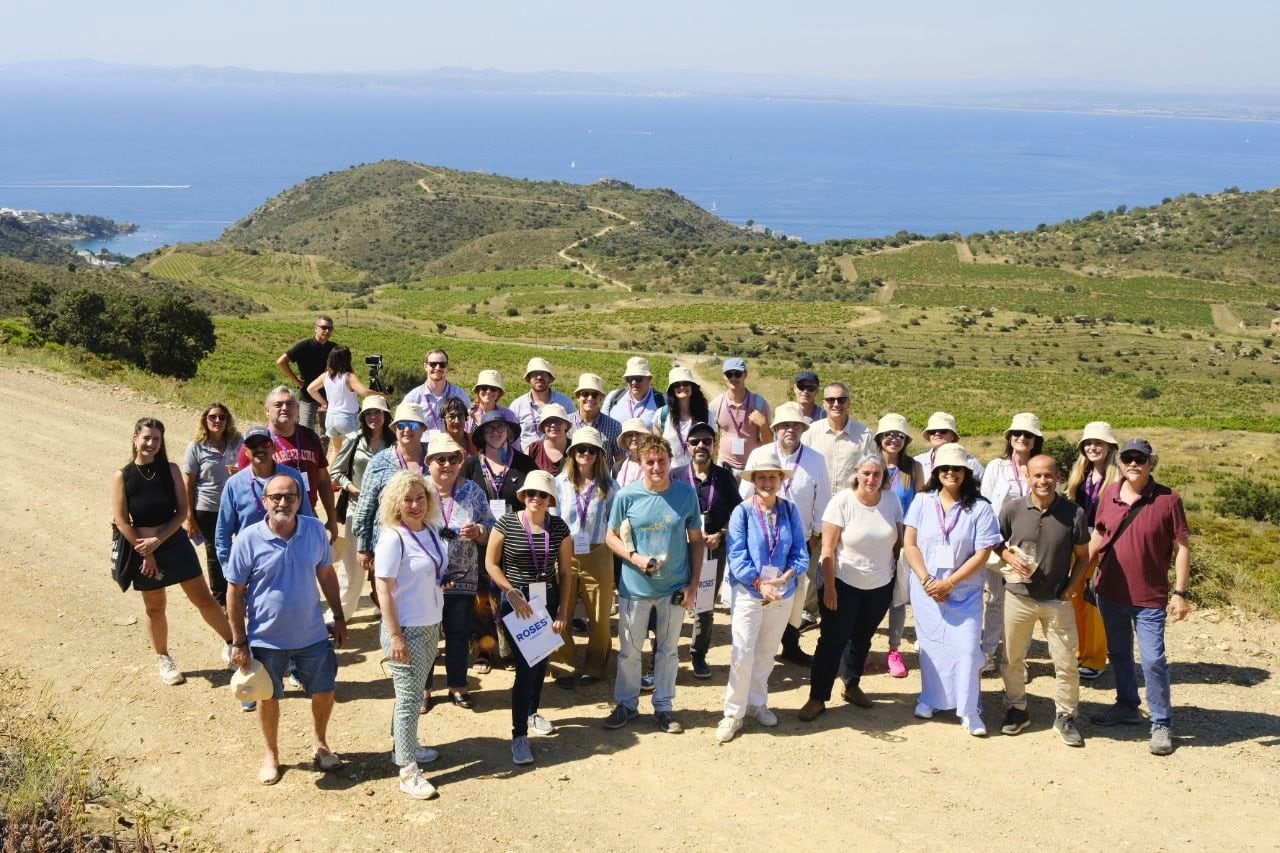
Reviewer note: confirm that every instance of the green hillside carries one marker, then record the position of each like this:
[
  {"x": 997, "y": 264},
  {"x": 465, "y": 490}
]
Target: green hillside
[{"x": 22, "y": 243}]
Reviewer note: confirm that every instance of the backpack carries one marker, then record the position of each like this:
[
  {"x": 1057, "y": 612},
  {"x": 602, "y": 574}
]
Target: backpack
[{"x": 615, "y": 395}]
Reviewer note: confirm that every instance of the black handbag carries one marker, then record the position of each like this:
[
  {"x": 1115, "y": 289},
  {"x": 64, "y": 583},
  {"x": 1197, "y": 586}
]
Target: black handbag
[
  {"x": 124, "y": 560},
  {"x": 344, "y": 497}
]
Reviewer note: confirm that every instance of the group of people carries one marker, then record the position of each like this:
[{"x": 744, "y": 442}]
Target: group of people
[{"x": 647, "y": 504}]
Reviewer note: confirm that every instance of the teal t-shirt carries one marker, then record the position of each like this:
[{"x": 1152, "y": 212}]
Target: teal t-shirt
[{"x": 659, "y": 525}]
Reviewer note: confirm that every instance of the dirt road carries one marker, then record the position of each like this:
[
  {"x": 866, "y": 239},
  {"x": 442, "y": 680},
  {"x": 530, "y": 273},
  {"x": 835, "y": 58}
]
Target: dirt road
[{"x": 876, "y": 779}]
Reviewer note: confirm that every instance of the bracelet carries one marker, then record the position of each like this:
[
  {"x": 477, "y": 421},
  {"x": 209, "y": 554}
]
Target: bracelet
[{"x": 243, "y": 644}]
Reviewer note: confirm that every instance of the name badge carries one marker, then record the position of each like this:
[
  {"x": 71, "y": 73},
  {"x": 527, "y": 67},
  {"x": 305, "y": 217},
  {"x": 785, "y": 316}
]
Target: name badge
[
  {"x": 581, "y": 543},
  {"x": 498, "y": 508},
  {"x": 306, "y": 482},
  {"x": 538, "y": 593},
  {"x": 702, "y": 522},
  {"x": 941, "y": 560},
  {"x": 738, "y": 446}
]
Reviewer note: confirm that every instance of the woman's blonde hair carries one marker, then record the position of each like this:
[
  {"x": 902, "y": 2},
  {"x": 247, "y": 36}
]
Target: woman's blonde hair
[
  {"x": 1080, "y": 470},
  {"x": 397, "y": 489},
  {"x": 230, "y": 434}
]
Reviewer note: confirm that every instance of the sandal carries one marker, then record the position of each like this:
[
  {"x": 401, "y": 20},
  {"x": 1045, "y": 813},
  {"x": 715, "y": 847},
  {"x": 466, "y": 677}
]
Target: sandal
[
  {"x": 461, "y": 699},
  {"x": 483, "y": 666},
  {"x": 425, "y": 705}
]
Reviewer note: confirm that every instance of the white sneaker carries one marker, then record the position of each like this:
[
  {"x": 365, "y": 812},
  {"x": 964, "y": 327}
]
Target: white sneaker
[
  {"x": 413, "y": 783},
  {"x": 226, "y": 656},
  {"x": 976, "y": 727},
  {"x": 728, "y": 727},
  {"x": 923, "y": 711},
  {"x": 540, "y": 725},
  {"x": 168, "y": 670},
  {"x": 424, "y": 755},
  {"x": 763, "y": 715},
  {"x": 291, "y": 681}
]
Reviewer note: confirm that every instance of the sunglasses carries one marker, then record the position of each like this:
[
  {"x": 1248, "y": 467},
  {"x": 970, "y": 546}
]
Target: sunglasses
[
  {"x": 590, "y": 395},
  {"x": 257, "y": 444},
  {"x": 212, "y": 417},
  {"x": 487, "y": 389},
  {"x": 682, "y": 386},
  {"x": 930, "y": 432},
  {"x": 287, "y": 498},
  {"x": 701, "y": 442},
  {"x": 808, "y": 389},
  {"x": 447, "y": 459},
  {"x": 1134, "y": 459},
  {"x": 587, "y": 450},
  {"x": 1021, "y": 433},
  {"x": 534, "y": 493},
  {"x": 735, "y": 374},
  {"x": 895, "y": 436},
  {"x": 949, "y": 469},
  {"x": 325, "y": 328},
  {"x": 437, "y": 364},
  {"x": 835, "y": 401},
  {"x": 634, "y": 380},
  {"x": 412, "y": 426}
]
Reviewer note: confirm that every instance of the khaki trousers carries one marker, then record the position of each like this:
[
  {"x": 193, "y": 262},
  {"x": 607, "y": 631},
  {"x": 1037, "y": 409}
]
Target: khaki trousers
[
  {"x": 594, "y": 573},
  {"x": 1021, "y": 615}
]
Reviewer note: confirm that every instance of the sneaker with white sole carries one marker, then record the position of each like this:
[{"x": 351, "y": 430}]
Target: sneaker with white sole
[
  {"x": 1161, "y": 739},
  {"x": 540, "y": 725},
  {"x": 666, "y": 720},
  {"x": 763, "y": 715},
  {"x": 169, "y": 672},
  {"x": 620, "y": 716},
  {"x": 520, "y": 751},
  {"x": 923, "y": 711},
  {"x": 729, "y": 726},
  {"x": 976, "y": 727},
  {"x": 897, "y": 666},
  {"x": 1015, "y": 720},
  {"x": 413, "y": 783},
  {"x": 1065, "y": 726}
]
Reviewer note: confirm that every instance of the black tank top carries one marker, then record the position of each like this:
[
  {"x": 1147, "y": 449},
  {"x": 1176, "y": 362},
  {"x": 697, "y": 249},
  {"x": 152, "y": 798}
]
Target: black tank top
[{"x": 148, "y": 491}]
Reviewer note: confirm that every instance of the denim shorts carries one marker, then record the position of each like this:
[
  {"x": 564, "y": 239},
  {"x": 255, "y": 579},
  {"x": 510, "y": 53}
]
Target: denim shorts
[
  {"x": 316, "y": 667},
  {"x": 338, "y": 424}
]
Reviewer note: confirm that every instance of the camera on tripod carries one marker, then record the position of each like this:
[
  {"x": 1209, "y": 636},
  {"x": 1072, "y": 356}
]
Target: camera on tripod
[{"x": 374, "y": 363}]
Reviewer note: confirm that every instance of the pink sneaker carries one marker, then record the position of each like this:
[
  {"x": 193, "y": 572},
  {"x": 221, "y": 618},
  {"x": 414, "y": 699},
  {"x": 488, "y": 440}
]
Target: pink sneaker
[{"x": 897, "y": 666}]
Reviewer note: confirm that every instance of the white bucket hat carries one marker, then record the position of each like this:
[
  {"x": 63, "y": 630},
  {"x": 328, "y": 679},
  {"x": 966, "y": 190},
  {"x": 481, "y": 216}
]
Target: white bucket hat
[
  {"x": 589, "y": 382},
  {"x": 254, "y": 685},
  {"x": 790, "y": 413},
  {"x": 538, "y": 481},
  {"x": 942, "y": 421},
  {"x": 631, "y": 425},
  {"x": 553, "y": 412},
  {"x": 409, "y": 412},
  {"x": 950, "y": 454},
  {"x": 1025, "y": 422},
  {"x": 374, "y": 401},
  {"x": 893, "y": 422},
  {"x": 440, "y": 444},
  {"x": 490, "y": 378},
  {"x": 764, "y": 459},
  {"x": 679, "y": 374},
  {"x": 587, "y": 435},
  {"x": 536, "y": 364},
  {"x": 637, "y": 366},
  {"x": 1098, "y": 431}
]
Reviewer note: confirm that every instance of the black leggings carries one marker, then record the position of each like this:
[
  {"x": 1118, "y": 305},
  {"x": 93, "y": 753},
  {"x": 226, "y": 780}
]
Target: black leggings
[
  {"x": 526, "y": 692},
  {"x": 207, "y": 521},
  {"x": 854, "y": 621},
  {"x": 455, "y": 627}
]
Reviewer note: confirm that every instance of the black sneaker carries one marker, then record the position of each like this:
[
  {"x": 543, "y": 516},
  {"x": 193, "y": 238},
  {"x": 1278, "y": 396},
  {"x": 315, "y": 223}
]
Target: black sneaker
[
  {"x": 797, "y": 656},
  {"x": 620, "y": 716},
  {"x": 667, "y": 721},
  {"x": 646, "y": 682},
  {"x": 1116, "y": 714},
  {"x": 700, "y": 668},
  {"x": 581, "y": 626},
  {"x": 1015, "y": 720},
  {"x": 567, "y": 682},
  {"x": 1065, "y": 726}
]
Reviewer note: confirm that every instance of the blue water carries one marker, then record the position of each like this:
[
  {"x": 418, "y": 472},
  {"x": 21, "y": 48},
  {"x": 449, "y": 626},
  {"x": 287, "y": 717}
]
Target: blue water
[{"x": 815, "y": 169}]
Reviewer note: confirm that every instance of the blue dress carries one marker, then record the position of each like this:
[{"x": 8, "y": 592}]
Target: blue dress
[{"x": 950, "y": 632}]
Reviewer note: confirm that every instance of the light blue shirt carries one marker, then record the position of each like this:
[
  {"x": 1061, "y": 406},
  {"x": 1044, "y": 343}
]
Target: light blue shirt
[
  {"x": 282, "y": 599},
  {"x": 433, "y": 405},
  {"x": 974, "y": 528},
  {"x": 749, "y": 553},
  {"x": 241, "y": 505},
  {"x": 569, "y": 502},
  {"x": 660, "y": 524},
  {"x": 527, "y": 413}
]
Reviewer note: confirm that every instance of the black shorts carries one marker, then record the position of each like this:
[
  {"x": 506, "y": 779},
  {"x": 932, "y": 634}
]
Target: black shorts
[{"x": 177, "y": 560}]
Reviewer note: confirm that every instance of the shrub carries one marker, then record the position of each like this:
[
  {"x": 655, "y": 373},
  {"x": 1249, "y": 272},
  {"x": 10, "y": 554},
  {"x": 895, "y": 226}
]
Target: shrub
[
  {"x": 1062, "y": 450},
  {"x": 1148, "y": 392},
  {"x": 1248, "y": 499}
]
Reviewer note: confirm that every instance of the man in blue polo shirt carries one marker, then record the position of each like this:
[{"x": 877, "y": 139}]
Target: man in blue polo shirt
[
  {"x": 271, "y": 579},
  {"x": 655, "y": 526}
]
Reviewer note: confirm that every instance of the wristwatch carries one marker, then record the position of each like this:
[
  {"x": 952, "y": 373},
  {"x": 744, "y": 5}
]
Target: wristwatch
[{"x": 1181, "y": 593}]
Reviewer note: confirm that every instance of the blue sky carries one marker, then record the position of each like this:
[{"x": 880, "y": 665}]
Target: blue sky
[{"x": 1175, "y": 43}]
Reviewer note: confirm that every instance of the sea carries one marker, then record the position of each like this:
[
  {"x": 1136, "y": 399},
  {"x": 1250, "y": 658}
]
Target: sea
[{"x": 185, "y": 161}]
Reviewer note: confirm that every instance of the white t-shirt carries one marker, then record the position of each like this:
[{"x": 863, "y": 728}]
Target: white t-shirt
[
  {"x": 865, "y": 558},
  {"x": 399, "y": 555},
  {"x": 342, "y": 400}
]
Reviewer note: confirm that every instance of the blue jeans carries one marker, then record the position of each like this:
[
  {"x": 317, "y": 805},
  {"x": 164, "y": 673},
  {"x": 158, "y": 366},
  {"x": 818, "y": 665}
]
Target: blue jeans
[
  {"x": 633, "y": 625},
  {"x": 1119, "y": 621}
]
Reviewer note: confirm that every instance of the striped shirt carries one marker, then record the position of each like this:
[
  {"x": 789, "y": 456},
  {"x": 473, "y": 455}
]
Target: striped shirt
[
  {"x": 569, "y": 502},
  {"x": 518, "y": 559}
]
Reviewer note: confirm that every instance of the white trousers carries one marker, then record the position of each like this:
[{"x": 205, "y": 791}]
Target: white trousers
[{"x": 757, "y": 630}]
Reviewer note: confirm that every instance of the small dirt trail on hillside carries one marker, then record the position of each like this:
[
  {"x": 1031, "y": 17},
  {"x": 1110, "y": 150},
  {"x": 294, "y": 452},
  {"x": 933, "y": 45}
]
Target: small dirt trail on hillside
[
  {"x": 68, "y": 625},
  {"x": 963, "y": 253},
  {"x": 1225, "y": 319}
]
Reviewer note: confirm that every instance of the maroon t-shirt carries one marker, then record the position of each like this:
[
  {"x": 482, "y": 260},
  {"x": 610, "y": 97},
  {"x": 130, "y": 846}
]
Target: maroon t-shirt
[
  {"x": 1134, "y": 569},
  {"x": 302, "y": 450}
]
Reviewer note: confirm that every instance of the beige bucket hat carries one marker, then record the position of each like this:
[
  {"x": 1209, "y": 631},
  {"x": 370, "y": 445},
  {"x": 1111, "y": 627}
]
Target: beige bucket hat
[
  {"x": 440, "y": 444},
  {"x": 677, "y": 375},
  {"x": 1025, "y": 422},
  {"x": 409, "y": 412},
  {"x": 764, "y": 459},
  {"x": 374, "y": 401},
  {"x": 951, "y": 454},
  {"x": 535, "y": 364},
  {"x": 553, "y": 412},
  {"x": 1098, "y": 431},
  {"x": 790, "y": 413},
  {"x": 490, "y": 378},
  {"x": 587, "y": 435},
  {"x": 589, "y": 382},
  {"x": 942, "y": 421},
  {"x": 637, "y": 366},
  {"x": 631, "y": 425},
  {"x": 893, "y": 422},
  {"x": 254, "y": 685},
  {"x": 538, "y": 481}
]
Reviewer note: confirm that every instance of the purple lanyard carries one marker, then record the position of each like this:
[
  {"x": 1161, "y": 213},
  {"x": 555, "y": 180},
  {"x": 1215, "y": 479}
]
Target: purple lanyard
[
  {"x": 942, "y": 520},
  {"x": 711, "y": 496},
  {"x": 739, "y": 426},
  {"x": 447, "y": 508},
  {"x": 770, "y": 537},
  {"x": 257, "y": 499},
  {"x": 404, "y": 463},
  {"x": 495, "y": 482},
  {"x": 293, "y": 453},
  {"x": 437, "y": 555},
  {"x": 430, "y": 406},
  {"x": 1017, "y": 481},
  {"x": 1091, "y": 492},
  {"x": 584, "y": 506},
  {"x": 631, "y": 404},
  {"x": 786, "y": 484},
  {"x": 539, "y": 571},
  {"x": 533, "y": 413},
  {"x": 628, "y": 466}
]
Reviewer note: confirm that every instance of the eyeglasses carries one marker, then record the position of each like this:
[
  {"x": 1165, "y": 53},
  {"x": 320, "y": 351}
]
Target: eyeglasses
[
  {"x": 634, "y": 380},
  {"x": 734, "y": 374},
  {"x": 455, "y": 416},
  {"x": 949, "y": 469},
  {"x": 437, "y": 365},
  {"x": 286, "y": 498},
  {"x": 930, "y": 432},
  {"x": 1021, "y": 433},
  {"x": 534, "y": 493},
  {"x": 835, "y": 401},
  {"x": 1134, "y": 459},
  {"x": 412, "y": 426},
  {"x": 554, "y": 424},
  {"x": 808, "y": 389},
  {"x": 212, "y": 417},
  {"x": 447, "y": 459},
  {"x": 894, "y": 436},
  {"x": 586, "y": 449},
  {"x": 701, "y": 442}
]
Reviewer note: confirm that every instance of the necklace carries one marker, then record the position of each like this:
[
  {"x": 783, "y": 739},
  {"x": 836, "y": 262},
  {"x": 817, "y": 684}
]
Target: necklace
[{"x": 144, "y": 473}]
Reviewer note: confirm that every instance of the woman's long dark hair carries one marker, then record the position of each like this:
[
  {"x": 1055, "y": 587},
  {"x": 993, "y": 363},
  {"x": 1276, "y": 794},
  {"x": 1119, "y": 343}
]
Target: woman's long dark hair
[
  {"x": 388, "y": 434},
  {"x": 162, "y": 456},
  {"x": 969, "y": 493},
  {"x": 339, "y": 361},
  {"x": 1037, "y": 447},
  {"x": 699, "y": 411}
]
